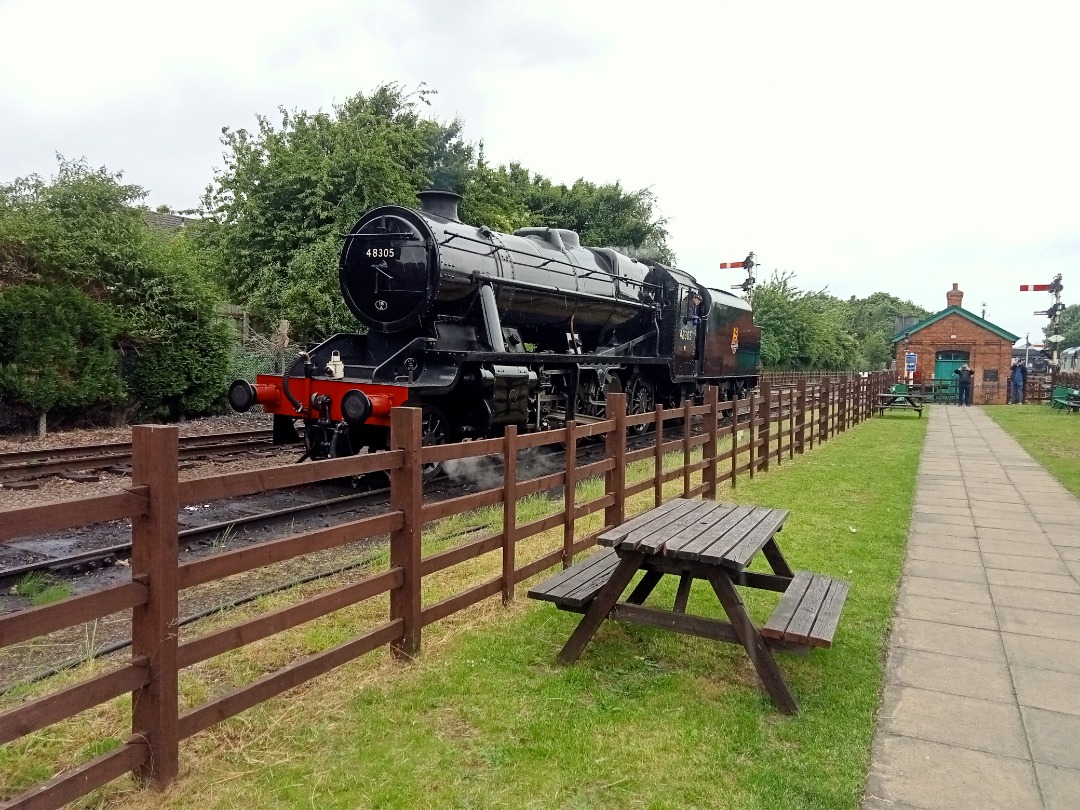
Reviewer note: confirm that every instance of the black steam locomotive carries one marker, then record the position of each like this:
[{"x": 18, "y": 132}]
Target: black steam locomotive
[{"x": 482, "y": 330}]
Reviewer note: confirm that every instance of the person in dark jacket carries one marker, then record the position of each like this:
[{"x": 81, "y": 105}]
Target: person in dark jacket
[
  {"x": 1016, "y": 383},
  {"x": 965, "y": 378}
]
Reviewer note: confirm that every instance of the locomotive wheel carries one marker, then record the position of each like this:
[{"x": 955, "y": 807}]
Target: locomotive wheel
[
  {"x": 434, "y": 429},
  {"x": 641, "y": 400}
]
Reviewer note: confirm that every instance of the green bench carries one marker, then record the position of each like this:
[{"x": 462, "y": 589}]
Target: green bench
[{"x": 1065, "y": 399}]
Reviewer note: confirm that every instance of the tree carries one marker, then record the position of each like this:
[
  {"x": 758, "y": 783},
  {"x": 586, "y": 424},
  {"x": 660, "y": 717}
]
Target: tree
[
  {"x": 276, "y": 213},
  {"x": 872, "y": 320},
  {"x": 290, "y": 186},
  {"x": 84, "y": 230},
  {"x": 805, "y": 330}
]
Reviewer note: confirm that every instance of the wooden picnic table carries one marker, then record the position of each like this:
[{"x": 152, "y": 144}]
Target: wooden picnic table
[
  {"x": 710, "y": 541},
  {"x": 902, "y": 401}
]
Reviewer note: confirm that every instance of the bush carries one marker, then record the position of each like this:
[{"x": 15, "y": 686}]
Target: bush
[
  {"x": 56, "y": 349},
  {"x": 86, "y": 278}
]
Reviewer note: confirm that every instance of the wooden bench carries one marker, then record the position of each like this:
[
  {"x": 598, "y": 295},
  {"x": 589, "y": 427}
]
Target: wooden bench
[
  {"x": 903, "y": 402},
  {"x": 703, "y": 541},
  {"x": 575, "y": 587},
  {"x": 809, "y": 610}
]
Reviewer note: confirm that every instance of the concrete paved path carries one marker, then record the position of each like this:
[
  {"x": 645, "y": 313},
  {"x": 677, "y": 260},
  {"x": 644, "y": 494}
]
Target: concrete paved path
[{"x": 982, "y": 696}]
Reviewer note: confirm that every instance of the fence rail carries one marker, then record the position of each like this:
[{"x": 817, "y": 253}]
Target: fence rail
[{"x": 778, "y": 423}]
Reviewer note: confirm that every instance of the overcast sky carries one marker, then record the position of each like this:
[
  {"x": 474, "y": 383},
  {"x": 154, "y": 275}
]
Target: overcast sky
[{"x": 870, "y": 145}]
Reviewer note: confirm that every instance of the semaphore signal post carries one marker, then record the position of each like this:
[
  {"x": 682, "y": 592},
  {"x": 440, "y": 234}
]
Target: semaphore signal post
[
  {"x": 748, "y": 264},
  {"x": 1054, "y": 312}
]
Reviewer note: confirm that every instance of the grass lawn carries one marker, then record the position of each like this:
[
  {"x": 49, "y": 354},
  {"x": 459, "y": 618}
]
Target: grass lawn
[
  {"x": 645, "y": 719},
  {"x": 1052, "y": 437}
]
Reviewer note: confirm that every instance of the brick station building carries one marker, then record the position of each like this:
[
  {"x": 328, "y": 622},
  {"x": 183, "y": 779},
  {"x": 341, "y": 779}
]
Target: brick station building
[{"x": 948, "y": 339}]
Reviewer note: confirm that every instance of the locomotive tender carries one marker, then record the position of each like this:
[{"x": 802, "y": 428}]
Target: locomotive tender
[{"x": 482, "y": 330}]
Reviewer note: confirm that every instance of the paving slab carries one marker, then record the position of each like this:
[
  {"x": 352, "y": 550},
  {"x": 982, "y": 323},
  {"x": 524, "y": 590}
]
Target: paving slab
[
  {"x": 1043, "y": 653},
  {"x": 982, "y": 725},
  {"x": 1053, "y": 737},
  {"x": 982, "y": 697},
  {"x": 936, "y": 540},
  {"x": 1004, "y": 522},
  {"x": 1047, "y": 689},
  {"x": 1060, "y": 786},
  {"x": 916, "y": 634},
  {"x": 934, "y": 776},
  {"x": 928, "y": 527},
  {"x": 1034, "y": 563},
  {"x": 955, "y": 556},
  {"x": 951, "y": 674},
  {"x": 1027, "y": 579},
  {"x": 947, "y": 611},
  {"x": 1030, "y": 535},
  {"x": 1029, "y": 549},
  {"x": 1036, "y": 599},
  {"x": 1038, "y": 623},
  {"x": 976, "y": 592}
]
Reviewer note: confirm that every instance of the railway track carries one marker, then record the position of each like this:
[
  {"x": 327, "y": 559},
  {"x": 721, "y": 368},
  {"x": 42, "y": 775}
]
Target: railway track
[
  {"x": 206, "y": 535},
  {"x": 26, "y": 464},
  {"x": 211, "y": 533}
]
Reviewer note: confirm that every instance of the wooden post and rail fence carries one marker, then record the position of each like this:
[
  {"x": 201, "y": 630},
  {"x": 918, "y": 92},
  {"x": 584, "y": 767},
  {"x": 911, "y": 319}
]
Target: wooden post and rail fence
[{"x": 741, "y": 437}]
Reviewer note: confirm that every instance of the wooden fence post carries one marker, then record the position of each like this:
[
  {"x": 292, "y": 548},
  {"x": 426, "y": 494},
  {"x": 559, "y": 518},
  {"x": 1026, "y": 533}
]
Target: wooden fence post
[
  {"x": 734, "y": 439},
  {"x": 709, "y": 449},
  {"x": 766, "y": 428},
  {"x": 155, "y": 711},
  {"x": 780, "y": 422},
  {"x": 569, "y": 496},
  {"x": 407, "y": 497},
  {"x": 825, "y": 408},
  {"x": 658, "y": 456},
  {"x": 615, "y": 447},
  {"x": 841, "y": 405},
  {"x": 851, "y": 399},
  {"x": 801, "y": 425},
  {"x": 792, "y": 399},
  {"x": 686, "y": 448},
  {"x": 509, "y": 512},
  {"x": 752, "y": 430}
]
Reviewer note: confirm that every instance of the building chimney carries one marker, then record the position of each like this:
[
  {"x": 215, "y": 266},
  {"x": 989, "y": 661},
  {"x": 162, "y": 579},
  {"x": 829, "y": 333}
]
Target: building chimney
[{"x": 955, "y": 296}]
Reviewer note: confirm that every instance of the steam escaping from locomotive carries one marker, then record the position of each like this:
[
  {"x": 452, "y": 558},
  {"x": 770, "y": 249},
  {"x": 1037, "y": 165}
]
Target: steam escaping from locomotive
[{"x": 481, "y": 329}]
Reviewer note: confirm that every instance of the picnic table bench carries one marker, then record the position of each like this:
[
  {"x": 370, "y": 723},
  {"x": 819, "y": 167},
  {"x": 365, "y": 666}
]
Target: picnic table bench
[
  {"x": 899, "y": 400},
  {"x": 1065, "y": 399},
  {"x": 710, "y": 541}
]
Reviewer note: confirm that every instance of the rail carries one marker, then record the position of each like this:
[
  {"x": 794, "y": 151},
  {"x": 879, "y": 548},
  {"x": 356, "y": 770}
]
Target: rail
[{"x": 730, "y": 447}]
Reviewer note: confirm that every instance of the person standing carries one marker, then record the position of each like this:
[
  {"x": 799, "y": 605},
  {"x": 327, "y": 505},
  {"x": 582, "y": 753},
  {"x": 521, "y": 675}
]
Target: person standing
[
  {"x": 1016, "y": 384},
  {"x": 965, "y": 378}
]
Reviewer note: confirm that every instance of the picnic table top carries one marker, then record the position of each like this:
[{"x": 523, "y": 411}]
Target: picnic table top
[
  {"x": 706, "y": 532},
  {"x": 891, "y": 395}
]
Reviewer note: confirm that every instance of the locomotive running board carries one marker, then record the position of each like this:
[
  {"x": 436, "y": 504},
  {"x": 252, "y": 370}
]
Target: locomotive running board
[{"x": 578, "y": 418}]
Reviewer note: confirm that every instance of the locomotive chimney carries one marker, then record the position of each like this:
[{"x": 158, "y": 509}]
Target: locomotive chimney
[
  {"x": 955, "y": 296},
  {"x": 439, "y": 202}
]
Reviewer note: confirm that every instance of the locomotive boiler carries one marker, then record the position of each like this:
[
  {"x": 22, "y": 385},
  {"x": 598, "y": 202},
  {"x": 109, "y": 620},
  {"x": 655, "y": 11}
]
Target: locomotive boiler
[{"x": 482, "y": 329}]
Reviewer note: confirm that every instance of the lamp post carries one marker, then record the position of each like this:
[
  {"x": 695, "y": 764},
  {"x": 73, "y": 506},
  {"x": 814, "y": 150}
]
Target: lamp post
[{"x": 1027, "y": 347}]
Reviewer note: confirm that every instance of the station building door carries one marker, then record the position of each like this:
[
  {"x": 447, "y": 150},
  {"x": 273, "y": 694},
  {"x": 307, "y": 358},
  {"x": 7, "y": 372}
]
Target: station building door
[{"x": 946, "y": 362}]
